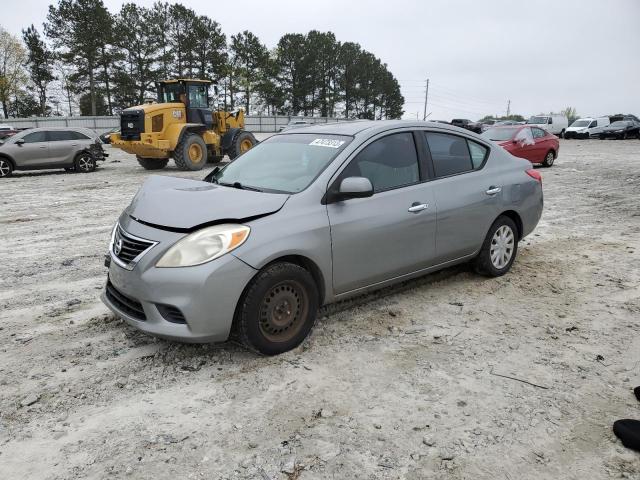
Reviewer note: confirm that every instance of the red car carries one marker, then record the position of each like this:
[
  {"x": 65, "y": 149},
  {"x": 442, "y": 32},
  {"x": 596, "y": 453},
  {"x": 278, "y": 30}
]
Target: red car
[{"x": 533, "y": 143}]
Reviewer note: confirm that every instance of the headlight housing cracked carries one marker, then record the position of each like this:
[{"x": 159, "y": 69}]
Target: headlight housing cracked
[{"x": 204, "y": 245}]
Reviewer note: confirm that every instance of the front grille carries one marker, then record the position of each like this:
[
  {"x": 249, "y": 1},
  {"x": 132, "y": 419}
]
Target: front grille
[
  {"x": 124, "y": 303},
  {"x": 131, "y": 124},
  {"x": 128, "y": 248},
  {"x": 171, "y": 314}
]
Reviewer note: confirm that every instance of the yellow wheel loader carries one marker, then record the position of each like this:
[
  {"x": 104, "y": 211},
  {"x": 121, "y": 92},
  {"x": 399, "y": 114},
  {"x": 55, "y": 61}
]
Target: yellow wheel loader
[{"x": 183, "y": 127}]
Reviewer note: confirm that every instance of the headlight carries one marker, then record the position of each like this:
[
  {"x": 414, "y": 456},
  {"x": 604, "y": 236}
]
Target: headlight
[{"x": 204, "y": 245}]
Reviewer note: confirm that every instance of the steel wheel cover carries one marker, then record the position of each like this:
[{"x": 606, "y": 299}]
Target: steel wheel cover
[
  {"x": 195, "y": 153},
  {"x": 283, "y": 311},
  {"x": 502, "y": 246}
]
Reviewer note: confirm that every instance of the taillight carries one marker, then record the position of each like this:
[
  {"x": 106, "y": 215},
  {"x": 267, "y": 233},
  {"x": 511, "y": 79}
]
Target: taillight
[{"x": 533, "y": 173}]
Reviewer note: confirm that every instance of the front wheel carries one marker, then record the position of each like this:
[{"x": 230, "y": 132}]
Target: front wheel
[
  {"x": 549, "y": 158},
  {"x": 499, "y": 248},
  {"x": 85, "y": 163},
  {"x": 191, "y": 152},
  {"x": 241, "y": 142},
  {"x": 277, "y": 310},
  {"x": 6, "y": 168},
  {"x": 152, "y": 163}
]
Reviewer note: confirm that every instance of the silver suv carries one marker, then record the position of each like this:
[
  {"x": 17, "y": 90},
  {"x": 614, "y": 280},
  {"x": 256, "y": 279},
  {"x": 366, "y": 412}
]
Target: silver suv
[{"x": 74, "y": 149}]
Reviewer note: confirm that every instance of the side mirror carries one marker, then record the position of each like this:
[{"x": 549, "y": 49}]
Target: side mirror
[
  {"x": 352, "y": 187},
  {"x": 20, "y": 141}
]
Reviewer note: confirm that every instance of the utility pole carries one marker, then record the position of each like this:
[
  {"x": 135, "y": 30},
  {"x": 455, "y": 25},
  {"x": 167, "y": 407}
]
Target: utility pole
[
  {"x": 508, "y": 107},
  {"x": 426, "y": 98}
]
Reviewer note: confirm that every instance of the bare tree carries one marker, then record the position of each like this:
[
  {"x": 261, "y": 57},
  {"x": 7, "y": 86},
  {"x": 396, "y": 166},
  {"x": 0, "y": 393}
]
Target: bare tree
[{"x": 12, "y": 75}]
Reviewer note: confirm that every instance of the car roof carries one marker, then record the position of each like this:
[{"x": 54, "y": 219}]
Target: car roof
[{"x": 368, "y": 127}]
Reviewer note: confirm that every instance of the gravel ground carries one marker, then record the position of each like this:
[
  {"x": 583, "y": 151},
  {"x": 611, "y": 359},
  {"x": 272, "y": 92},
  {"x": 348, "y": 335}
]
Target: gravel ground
[{"x": 408, "y": 383}]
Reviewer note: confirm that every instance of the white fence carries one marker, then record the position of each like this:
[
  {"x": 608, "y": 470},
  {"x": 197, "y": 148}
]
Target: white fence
[{"x": 253, "y": 123}]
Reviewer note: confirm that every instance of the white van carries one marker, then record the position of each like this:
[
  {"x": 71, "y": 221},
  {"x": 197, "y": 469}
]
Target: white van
[
  {"x": 586, "y": 127},
  {"x": 554, "y": 123}
]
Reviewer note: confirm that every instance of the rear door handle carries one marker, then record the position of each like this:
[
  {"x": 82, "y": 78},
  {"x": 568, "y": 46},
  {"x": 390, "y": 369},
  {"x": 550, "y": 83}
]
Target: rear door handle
[
  {"x": 418, "y": 207},
  {"x": 493, "y": 190}
]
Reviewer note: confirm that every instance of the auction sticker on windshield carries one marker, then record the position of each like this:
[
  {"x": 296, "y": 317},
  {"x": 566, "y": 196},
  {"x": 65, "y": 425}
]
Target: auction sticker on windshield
[{"x": 327, "y": 142}]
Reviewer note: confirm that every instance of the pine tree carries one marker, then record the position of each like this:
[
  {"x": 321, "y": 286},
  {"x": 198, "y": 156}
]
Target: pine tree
[{"x": 39, "y": 65}]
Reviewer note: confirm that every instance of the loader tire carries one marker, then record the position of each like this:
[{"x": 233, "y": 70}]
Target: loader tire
[
  {"x": 191, "y": 152},
  {"x": 152, "y": 163},
  {"x": 242, "y": 141}
]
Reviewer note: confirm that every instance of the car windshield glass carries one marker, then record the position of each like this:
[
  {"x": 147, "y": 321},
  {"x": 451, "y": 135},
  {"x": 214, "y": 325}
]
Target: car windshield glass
[
  {"x": 537, "y": 120},
  {"x": 619, "y": 123},
  {"x": 581, "y": 123},
  {"x": 283, "y": 163},
  {"x": 500, "y": 134}
]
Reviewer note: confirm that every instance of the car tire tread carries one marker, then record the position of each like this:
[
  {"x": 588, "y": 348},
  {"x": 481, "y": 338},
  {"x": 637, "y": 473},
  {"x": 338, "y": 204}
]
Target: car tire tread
[{"x": 482, "y": 263}]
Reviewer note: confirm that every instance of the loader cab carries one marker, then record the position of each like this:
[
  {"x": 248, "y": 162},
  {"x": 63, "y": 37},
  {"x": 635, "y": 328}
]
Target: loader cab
[{"x": 194, "y": 94}]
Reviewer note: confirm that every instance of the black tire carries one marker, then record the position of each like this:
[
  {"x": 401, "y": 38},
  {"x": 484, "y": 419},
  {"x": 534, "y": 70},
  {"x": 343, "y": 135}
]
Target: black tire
[
  {"x": 562, "y": 133},
  {"x": 240, "y": 142},
  {"x": 6, "y": 167},
  {"x": 549, "y": 158},
  {"x": 184, "y": 155},
  {"x": 152, "y": 163},
  {"x": 601, "y": 137},
  {"x": 84, "y": 163},
  {"x": 277, "y": 310},
  {"x": 483, "y": 263}
]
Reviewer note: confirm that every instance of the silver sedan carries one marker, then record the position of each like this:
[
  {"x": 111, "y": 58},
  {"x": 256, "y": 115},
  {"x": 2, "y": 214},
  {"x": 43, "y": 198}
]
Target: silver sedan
[{"x": 310, "y": 217}]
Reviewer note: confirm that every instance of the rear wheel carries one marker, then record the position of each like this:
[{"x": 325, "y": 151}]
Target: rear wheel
[
  {"x": 6, "y": 168},
  {"x": 152, "y": 163},
  {"x": 241, "y": 142},
  {"x": 84, "y": 163},
  {"x": 562, "y": 133},
  {"x": 499, "y": 248},
  {"x": 549, "y": 158},
  {"x": 277, "y": 310},
  {"x": 191, "y": 152}
]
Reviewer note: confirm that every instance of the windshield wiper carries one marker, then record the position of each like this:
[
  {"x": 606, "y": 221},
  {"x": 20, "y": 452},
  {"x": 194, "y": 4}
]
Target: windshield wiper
[{"x": 239, "y": 186}]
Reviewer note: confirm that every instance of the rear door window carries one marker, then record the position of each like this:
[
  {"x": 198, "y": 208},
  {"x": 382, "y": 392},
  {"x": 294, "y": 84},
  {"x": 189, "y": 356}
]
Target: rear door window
[
  {"x": 61, "y": 135},
  {"x": 449, "y": 153}
]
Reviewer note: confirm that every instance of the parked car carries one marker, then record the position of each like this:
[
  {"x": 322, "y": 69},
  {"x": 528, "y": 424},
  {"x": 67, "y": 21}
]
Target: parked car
[
  {"x": 309, "y": 217},
  {"x": 440, "y": 121},
  {"x": 294, "y": 124},
  {"x": 622, "y": 129},
  {"x": 106, "y": 136},
  {"x": 74, "y": 149},
  {"x": 468, "y": 124},
  {"x": 504, "y": 123},
  {"x": 554, "y": 123},
  {"x": 533, "y": 143},
  {"x": 487, "y": 124},
  {"x": 7, "y": 132},
  {"x": 586, "y": 127}
]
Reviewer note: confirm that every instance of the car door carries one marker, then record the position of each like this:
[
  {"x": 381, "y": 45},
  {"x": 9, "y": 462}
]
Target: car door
[
  {"x": 62, "y": 146},
  {"x": 526, "y": 144},
  {"x": 542, "y": 144},
  {"x": 32, "y": 150},
  {"x": 391, "y": 233},
  {"x": 467, "y": 194}
]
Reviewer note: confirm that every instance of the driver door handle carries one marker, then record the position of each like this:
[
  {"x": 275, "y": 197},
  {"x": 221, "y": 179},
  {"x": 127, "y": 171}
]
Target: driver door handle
[
  {"x": 493, "y": 190},
  {"x": 418, "y": 207}
]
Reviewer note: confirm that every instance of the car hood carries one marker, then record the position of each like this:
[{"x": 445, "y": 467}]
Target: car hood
[{"x": 182, "y": 205}]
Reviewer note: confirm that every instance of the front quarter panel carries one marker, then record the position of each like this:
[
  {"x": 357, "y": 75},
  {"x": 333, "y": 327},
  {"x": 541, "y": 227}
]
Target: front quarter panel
[{"x": 300, "y": 228}]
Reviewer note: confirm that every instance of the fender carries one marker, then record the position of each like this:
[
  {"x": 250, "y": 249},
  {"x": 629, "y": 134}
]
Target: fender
[
  {"x": 228, "y": 137},
  {"x": 11, "y": 160},
  {"x": 176, "y": 132}
]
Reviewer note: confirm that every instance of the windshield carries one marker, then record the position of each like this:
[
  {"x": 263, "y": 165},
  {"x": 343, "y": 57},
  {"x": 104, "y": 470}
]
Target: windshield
[
  {"x": 538, "y": 120},
  {"x": 282, "y": 163},
  {"x": 620, "y": 123},
  {"x": 581, "y": 123},
  {"x": 500, "y": 134}
]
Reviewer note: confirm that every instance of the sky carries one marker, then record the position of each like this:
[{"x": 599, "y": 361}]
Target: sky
[{"x": 478, "y": 55}]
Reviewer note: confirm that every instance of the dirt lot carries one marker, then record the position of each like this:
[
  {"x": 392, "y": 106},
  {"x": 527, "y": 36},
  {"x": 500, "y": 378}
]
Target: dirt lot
[{"x": 405, "y": 384}]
